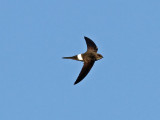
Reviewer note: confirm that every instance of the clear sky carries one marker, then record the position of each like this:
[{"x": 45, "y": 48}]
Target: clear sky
[{"x": 37, "y": 84}]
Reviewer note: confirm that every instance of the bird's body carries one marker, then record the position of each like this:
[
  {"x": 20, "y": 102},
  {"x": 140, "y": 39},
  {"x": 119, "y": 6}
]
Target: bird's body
[{"x": 89, "y": 57}]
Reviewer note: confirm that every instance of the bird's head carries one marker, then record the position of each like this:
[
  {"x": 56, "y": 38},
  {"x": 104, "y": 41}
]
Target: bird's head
[{"x": 99, "y": 56}]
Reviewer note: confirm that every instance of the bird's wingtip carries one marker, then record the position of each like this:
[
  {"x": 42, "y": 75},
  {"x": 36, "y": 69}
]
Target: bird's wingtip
[{"x": 75, "y": 82}]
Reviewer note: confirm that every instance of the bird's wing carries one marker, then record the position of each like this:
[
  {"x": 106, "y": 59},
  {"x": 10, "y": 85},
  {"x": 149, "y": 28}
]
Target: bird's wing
[
  {"x": 85, "y": 70},
  {"x": 91, "y": 46}
]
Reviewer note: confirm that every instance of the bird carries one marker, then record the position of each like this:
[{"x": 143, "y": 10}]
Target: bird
[{"x": 88, "y": 58}]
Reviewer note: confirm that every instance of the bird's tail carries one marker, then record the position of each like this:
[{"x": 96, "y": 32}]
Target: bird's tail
[
  {"x": 67, "y": 57},
  {"x": 73, "y": 57}
]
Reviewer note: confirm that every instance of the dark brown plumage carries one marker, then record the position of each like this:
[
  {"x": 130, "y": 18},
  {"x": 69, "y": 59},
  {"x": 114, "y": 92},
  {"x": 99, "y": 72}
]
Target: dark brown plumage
[{"x": 89, "y": 58}]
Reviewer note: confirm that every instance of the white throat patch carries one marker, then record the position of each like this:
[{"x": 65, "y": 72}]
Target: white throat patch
[{"x": 79, "y": 56}]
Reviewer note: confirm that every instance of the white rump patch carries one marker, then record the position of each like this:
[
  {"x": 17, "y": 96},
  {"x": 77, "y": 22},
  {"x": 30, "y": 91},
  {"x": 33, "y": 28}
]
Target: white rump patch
[{"x": 79, "y": 57}]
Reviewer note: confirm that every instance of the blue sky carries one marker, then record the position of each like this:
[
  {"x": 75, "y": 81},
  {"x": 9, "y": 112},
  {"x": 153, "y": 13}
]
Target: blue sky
[{"x": 37, "y": 84}]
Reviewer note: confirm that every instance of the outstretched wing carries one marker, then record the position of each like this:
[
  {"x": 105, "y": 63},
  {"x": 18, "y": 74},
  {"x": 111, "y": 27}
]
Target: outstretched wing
[
  {"x": 91, "y": 46},
  {"x": 85, "y": 70}
]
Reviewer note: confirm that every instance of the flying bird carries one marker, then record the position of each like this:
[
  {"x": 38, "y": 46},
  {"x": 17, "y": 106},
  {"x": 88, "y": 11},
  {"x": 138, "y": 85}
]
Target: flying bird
[{"x": 89, "y": 58}]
